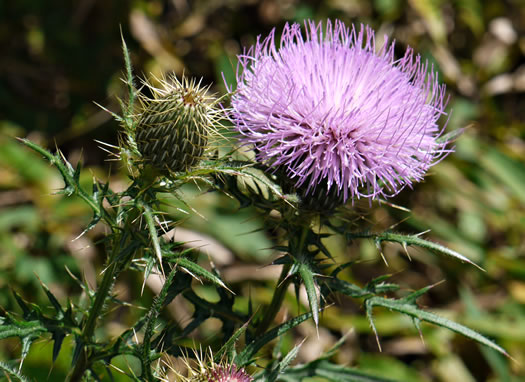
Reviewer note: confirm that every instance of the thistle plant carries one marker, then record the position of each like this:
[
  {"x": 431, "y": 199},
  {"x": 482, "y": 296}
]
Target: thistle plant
[{"x": 331, "y": 118}]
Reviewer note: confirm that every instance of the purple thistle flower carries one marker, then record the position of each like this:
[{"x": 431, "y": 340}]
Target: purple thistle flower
[
  {"x": 229, "y": 374},
  {"x": 335, "y": 114}
]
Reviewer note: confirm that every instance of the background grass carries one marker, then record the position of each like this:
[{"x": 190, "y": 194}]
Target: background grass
[{"x": 59, "y": 56}]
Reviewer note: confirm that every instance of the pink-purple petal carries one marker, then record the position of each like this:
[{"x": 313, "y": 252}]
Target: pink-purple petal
[{"x": 327, "y": 107}]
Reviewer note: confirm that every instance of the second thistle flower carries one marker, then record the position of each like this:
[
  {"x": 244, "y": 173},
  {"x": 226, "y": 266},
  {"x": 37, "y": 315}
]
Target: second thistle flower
[{"x": 175, "y": 125}]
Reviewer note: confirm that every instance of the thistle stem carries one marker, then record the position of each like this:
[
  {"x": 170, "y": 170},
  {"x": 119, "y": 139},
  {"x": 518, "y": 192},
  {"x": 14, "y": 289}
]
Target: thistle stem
[
  {"x": 295, "y": 249},
  {"x": 157, "y": 305},
  {"x": 95, "y": 311},
  {"x": 277, "y": 300}
]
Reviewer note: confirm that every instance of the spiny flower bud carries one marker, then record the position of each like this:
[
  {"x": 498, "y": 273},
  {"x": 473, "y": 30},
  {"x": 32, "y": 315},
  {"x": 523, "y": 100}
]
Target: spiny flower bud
[{"x": 174, "y": 126}]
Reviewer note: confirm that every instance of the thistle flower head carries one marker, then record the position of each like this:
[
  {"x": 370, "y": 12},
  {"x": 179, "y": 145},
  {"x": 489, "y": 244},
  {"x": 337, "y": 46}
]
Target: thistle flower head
[
  {"x": 222, "y": 373},
  {"x": 173, "y": 128},
  {"x": 338, "y": 116},
  {"x": 204, "y": 369}
]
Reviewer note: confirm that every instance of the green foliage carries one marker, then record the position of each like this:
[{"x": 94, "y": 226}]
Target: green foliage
[{"x": 11, "y": 372}]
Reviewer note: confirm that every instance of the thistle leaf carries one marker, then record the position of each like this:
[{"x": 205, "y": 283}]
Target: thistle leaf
[
  {"x": 406, "y": 306},
  {"x": 58, "y": 338},
  {"x": 129, "y": 77},
  {"x": 197, "y": 270},
  {"x": 246, "y": 356},
  {"x": 229, "y": 347},
  {"x": 51, "y": 297},
  {"x": 27, "y": 341},
  {"x": 416, "y": 240},
  {"x": 10, "y": 372},
  {"x": 311, "y": 291},
  {"x": 66, "y": 170},
  {"x": 10, "y": 327},
  {"x": 279, "y": 367},
  {"x": 76, "y": 173},
  {"x": 328, "y": 371},
  {"x": 79, "y": 345},
  {"x": 346, "y": 288},
  {"x": 408, "y": 240},
  {"x": 26, "y": 311},
  {"x": 152, "y": 229}
]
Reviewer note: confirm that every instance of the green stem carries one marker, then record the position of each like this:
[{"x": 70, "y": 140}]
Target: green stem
[
  {"x": 152, "y": 319},
  {"x": 295, "y": 249},
  {"x": 277, "y": 300},
  {"x": 94, "y": 313}
]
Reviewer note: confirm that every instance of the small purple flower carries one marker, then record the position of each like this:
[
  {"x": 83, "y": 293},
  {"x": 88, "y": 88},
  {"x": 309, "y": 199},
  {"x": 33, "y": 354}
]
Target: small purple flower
[
  {"x": 335, "y": 113},
  {"x": 229, "y": 374}
]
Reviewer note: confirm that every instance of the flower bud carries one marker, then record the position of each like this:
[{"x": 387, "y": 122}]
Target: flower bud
[{"x": 173, "y": 129}]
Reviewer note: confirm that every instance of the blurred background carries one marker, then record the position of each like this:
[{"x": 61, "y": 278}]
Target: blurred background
[{"x": 59, "y": 57}]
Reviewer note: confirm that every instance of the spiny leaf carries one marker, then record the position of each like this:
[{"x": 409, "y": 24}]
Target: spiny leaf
[
  {"x": 412, "y": 297},
  {"x": 26, "y": 344},
  {"x": 341, "y": 267},
  {"x": 94, "y": 221},
  {"x": 282, "y": 365},
  {"x": 37, "y": 324},
  {"x": 11, "y": 372},
  {"x": 378, "y": 285},
  {"x": 51, "y": 297},
  {"x": 412, "y": 310},
  {"x": 416, "y": 240},
  {"x": 216, "y": 310},
  {"x": 229, "y": 347},
  {"x": 328, "y": 371},
  {"x": 153, "y": 314},
  {"x": 10, "y": 327},
  {"x": 129, "y": 77},
  {"x": 332, "y": 351},
  {"x": 67, "y": 172},
  {"x": 79, "y": 345},
  {"x": 76, "y": 173},
  {"x": 152, "y": 229},
  {"x": 253, "y": 347},
  {"x": 311, "y": 291},
  {"x": 58, "y": 338},
  {"x": 346, "y": 288},
  {"x": 407, "y": 240},
  {"x": 197, "y": 270},
  {"x": 26, "y": 311}
]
